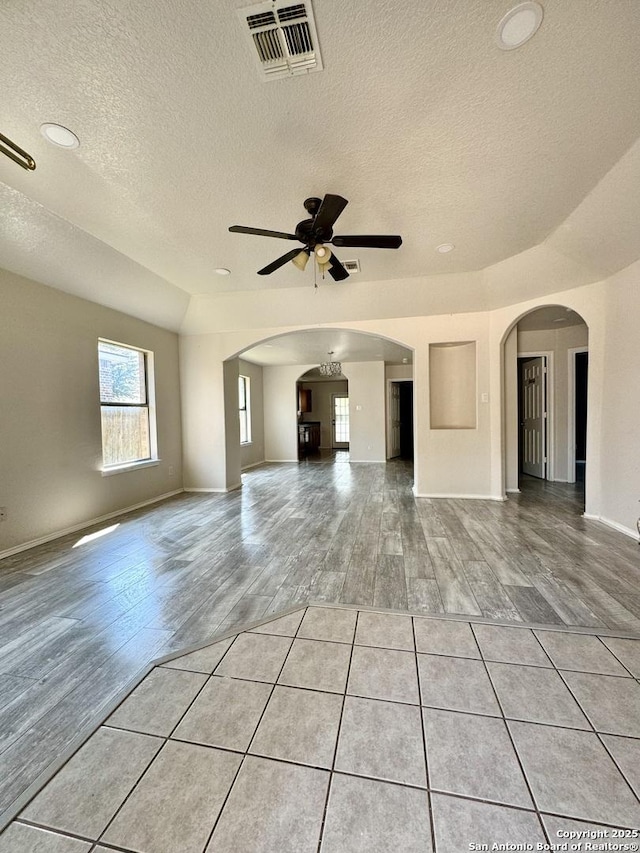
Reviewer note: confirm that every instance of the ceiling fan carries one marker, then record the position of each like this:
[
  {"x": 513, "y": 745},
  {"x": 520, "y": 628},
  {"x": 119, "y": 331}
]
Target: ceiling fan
[{"x": 315, "y": 233}]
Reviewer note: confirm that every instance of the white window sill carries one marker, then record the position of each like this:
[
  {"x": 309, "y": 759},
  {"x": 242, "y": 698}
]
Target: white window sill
[{"x": 129, "y": 466}]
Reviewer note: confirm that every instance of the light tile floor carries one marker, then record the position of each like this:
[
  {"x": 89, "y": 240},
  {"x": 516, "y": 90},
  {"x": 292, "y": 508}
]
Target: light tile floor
[{"x": 340, "y": 730}]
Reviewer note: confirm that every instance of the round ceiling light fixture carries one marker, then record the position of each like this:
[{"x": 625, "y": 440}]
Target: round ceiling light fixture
[
  {"x": 519, "y": 25},
  {"x": 59, "y": 135},
  {"x": 445, "y": 248},
  {"x": 222, "y": 271}
]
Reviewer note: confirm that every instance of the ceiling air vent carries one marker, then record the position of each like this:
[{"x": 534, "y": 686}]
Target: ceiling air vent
[
  {"x": 351, "y": 266},
  {"x": 283, "y": 38}
]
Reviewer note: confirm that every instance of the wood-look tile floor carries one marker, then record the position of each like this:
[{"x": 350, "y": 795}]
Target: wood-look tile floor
[
  {"x": 79, "y": 617},
  {"x": 342, "y": 730}
]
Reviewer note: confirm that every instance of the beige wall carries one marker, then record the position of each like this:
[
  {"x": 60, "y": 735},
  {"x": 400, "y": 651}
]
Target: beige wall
[
  {"x": 253, "y": 453},
  {"x": 620, "y": 453},
  {"x": 366, "y": 411},
  {"x": 50, "y": 433}
]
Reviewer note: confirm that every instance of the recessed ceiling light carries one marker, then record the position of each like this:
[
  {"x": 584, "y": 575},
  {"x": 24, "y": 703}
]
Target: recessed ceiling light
[
  {"x": 519, "y": 25},
  {"x": 444, "y": 248},
  {"x": 59, "y": 135},
  {"x": 222, "y": 271}
]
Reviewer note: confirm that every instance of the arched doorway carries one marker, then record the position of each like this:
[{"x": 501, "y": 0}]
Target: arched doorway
[
  {"x": 323, "y": 416},
  {"x": 369, "y": 360},
  {"x": 545, "y": 401}
]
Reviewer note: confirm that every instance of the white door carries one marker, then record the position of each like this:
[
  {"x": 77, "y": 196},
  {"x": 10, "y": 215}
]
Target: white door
[
  {"x": 533, "y": 419},
  {"x": 394, "y": 420},
  {"x": 340, "y": 421}
]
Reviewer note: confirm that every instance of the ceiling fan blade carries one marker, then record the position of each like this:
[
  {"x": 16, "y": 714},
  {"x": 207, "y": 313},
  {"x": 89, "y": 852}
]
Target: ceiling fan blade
[
  {"x": 280, "y": 262},
  {"x": 244, "y": 229},
  {"x": 330, "y": 209},
  {"x": 336, "y": 270},
  {"x": 369, "y": 241}
]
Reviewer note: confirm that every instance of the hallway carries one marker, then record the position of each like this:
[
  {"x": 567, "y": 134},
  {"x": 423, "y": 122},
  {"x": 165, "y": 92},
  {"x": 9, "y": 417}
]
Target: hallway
[{"x": 78, "y": 623}]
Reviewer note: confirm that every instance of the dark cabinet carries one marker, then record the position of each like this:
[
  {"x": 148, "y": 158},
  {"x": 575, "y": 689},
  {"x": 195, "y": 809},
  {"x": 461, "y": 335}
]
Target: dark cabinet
[
  {"x": 304, "y": 400},
  {"x": 308, "y": 438}
]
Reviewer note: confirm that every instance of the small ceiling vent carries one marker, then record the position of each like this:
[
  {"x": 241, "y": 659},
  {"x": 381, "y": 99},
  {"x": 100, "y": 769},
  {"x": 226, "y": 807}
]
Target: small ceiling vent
[
  {"x": 283, "y": 38},
  {"x": 351, "y": 266}
]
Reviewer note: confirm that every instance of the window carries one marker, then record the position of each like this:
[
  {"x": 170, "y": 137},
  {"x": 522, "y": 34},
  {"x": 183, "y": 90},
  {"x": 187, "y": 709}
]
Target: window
[
  {"x": 128, "y": 428},
  {"x": 244, "y": 398}
]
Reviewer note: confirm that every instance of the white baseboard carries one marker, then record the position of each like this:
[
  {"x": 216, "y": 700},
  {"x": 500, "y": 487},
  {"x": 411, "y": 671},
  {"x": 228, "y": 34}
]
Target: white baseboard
[
  {"x": 214, "y": 491},
  {"x": 253, "y": 465},
  {"x": 513, "y": 491},
  {"x": 281, "y": 460},
  {"x": 42, "y": 540},
  {"x": 628, "y": 531},
  {"x": 462, "y": 497}
]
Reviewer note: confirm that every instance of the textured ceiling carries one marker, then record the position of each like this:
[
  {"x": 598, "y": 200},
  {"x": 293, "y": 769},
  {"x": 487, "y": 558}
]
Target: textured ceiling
[{"x": 418, "y": 119}]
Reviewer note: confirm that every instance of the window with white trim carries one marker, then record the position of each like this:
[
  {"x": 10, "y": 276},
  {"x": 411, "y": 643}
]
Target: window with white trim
[
  {"x": 244, "y": 405},
  {"x": 126, "y": 405}
]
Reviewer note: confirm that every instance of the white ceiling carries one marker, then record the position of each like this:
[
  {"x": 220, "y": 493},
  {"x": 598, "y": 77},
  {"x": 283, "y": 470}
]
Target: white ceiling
[
  {"x": 312, "y": 346},
  {"x": 418, "y": 119},
  {"x": 552, "y": 317}
]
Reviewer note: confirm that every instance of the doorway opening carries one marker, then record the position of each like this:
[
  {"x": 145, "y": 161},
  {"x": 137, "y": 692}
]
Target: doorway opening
[
  {"x": 545, "y": 402},
  {"x": 400, "y": 419},
  {"x": 323, "y": 418}
]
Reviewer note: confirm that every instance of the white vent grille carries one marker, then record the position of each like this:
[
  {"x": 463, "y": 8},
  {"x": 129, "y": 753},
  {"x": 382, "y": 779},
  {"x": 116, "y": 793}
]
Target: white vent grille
[
  {"x": 283, "y": 37},
  {"x": 351, "y": 266}
]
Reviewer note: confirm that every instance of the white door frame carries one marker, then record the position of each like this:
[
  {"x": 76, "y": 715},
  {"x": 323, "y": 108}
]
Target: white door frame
[
  {"x": 388, "y": 413},
  {"x": 550, "y": 394},
  {"x": 571, "y": 412}
]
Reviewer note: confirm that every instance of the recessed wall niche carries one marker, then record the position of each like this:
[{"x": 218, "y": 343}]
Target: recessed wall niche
[{"x": 452, "y": 385}]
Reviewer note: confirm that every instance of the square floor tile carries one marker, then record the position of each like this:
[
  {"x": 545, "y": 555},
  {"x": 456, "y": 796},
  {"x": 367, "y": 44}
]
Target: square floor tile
[
  {"x": 626, "y": 752},
  {"x": 273, "y": 808},
  {"x": 612, "y": 704},
  {"x": 366, "y": 816},
  {"x": 18, "y": 838},
  {"x": 258, "y": 657},
  {"x": 384, "y": 674},
  {"x": 285, "y": 626},
  {"x": 175, "y": 805},
  {"x": 535, "y": 694},
  {"x": 382, "y": 740},
  {"x": 317, "y": 665},
  {"x": 158, "y": 702},
  {"x": 204, "y": 660},
  {"x": 580, "y": 652},
  {"x": 460, "y": 823},
  {"x": 510, "y": 645},
  {"x": 473, "y": 756},
  {"x": 456, "y": 683},
  {"x": 300, "y": 726},
  {"x": 83, "y": 797},
  {"x": 384, "y": 630},
  {"x": 226, "y": 713},
  {"x": 568, "y": 772},
  {"x": 324, "y": 623},
  {"x": 445, "y": 637},
  {"x": 627, "y": 651}
]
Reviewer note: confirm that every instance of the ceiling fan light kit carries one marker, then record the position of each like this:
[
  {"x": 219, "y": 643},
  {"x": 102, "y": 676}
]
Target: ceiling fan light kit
[{"x": 315, "y": 233}]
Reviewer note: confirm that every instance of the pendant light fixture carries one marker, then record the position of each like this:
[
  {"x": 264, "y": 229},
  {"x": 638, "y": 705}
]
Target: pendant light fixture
[{"x": 330, "y": 368}]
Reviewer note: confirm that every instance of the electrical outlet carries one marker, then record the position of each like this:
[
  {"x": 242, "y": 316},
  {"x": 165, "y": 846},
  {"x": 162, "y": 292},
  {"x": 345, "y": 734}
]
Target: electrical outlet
[{"x": 3, "y": 513}]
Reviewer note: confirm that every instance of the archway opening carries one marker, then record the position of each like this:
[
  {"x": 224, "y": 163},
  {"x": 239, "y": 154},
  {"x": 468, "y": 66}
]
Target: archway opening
[
  {"x": 324, "y": 417},
  {"x": 546, "y": 403},
  {"x": 286, "y": 364}
]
